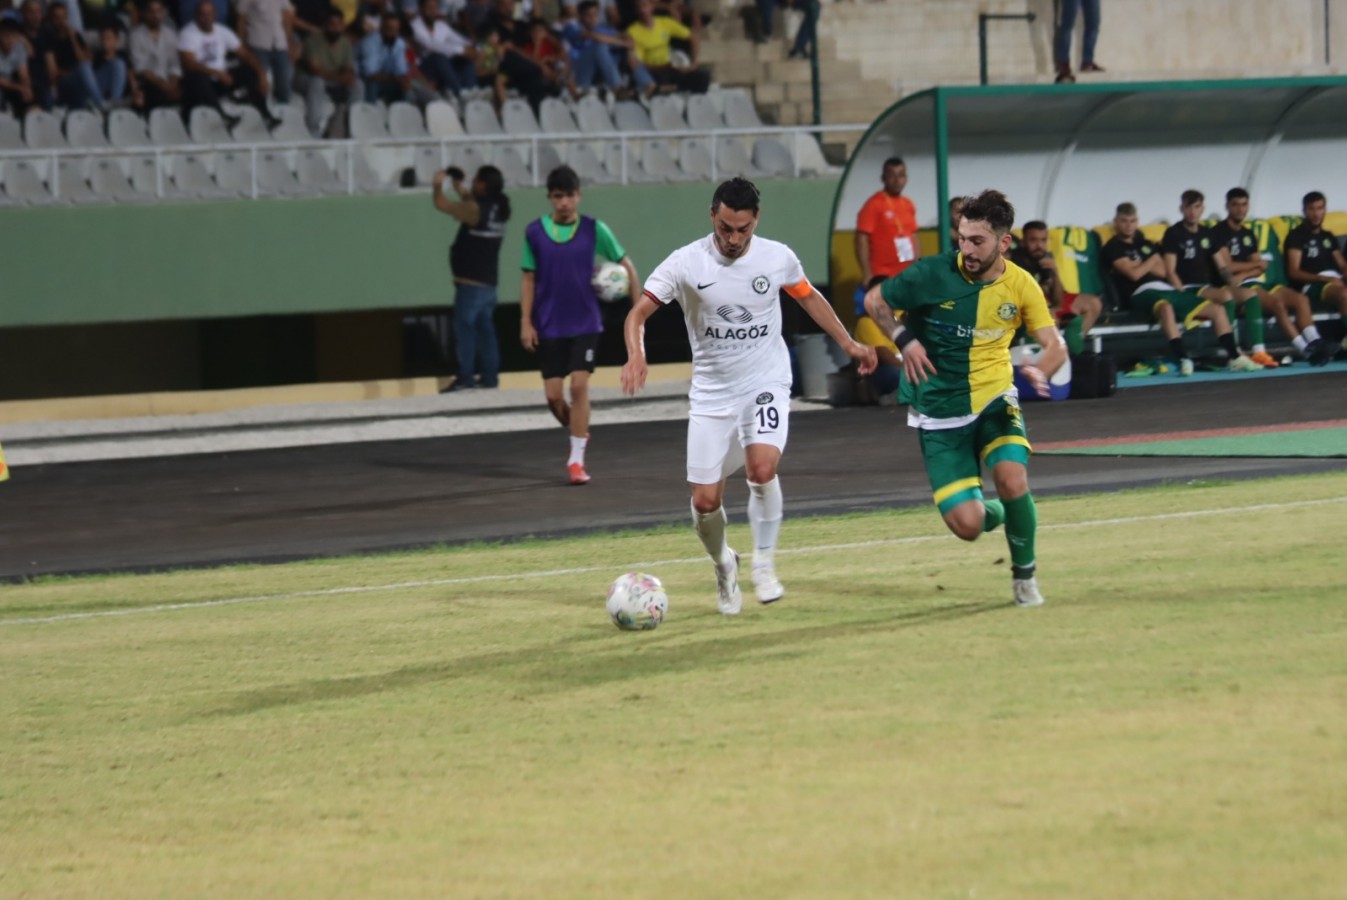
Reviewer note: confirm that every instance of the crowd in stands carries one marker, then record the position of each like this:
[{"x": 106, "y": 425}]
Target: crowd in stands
[{"x": 149, "y": 53}]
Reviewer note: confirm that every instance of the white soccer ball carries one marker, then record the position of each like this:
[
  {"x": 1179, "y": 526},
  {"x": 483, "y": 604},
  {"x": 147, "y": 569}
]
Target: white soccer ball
[
  {"x": 611, "y": 282},
  {"x": 637, "y": 602}
]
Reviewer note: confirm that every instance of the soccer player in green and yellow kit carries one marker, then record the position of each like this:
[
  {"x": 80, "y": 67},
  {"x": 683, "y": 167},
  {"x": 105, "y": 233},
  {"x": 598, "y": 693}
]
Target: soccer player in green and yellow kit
[{"x": 960, "y": 310}]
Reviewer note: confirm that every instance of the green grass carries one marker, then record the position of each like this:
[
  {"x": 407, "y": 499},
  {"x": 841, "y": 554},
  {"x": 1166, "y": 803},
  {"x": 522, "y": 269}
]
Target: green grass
[{"x": 1172, "y": 724}]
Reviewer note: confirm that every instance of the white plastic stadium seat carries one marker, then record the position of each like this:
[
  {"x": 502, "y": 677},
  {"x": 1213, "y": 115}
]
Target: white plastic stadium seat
[
  {"x": 469, "y": 158},
  {"x": 250, "y": 128},
  {"x": 85, "y": 129},
  {"x": 404, "y": 121},
  {"x": 166, "y": 128},
  {"x": 426, "y": 162},
  {"x": 810, "y": 156},
  {"x": 593, "y": 115},
  {"x": 145, "y": 179},
  {"x": 367, "y": 180},
  {"x": 513, "y": 165},
  {"x": 732, "y": 159},
  {"x": 42, "y": 131},
  {"x": 557, "y": 117},
  {"x": 479, "y": 117},
  {"x": 72, "y": 184},
  {"x": 234, "y": 173},
  {"x": 549, "y": 158},
  {"x": 191, "y": 177},
  {"x": 628, "y": 115},
  {"x": 367, "y": 122},
  {"x": 274, "y": 176},
  {"x": 206, "y": 127},
  {"x": 24, "y": 185},
  {"x": 636, "y": 172},
  {"x": 517, "y": 117},
  {"x": 772, "y": 157},
  {"x": 292, "y": 127},
  {"x": 126, "y": 129},
  {"x": 666, "y": 112},
  {"x": 11, "y": 133},
  {"x": 442, "y": 120},
  {"x": 584, "y": 159},
  {"x": 658, "y": 159},
  {"x": 740, "y": 111},
  {"x": 695, "y": 155},
  {"x": 316, "y": 174},
  {"x": 110, "y": 183},
  {"x": 702, "y": 114}
]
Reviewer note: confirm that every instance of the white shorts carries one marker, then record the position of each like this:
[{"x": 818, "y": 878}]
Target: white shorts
[{"x": 762, "y": 418}]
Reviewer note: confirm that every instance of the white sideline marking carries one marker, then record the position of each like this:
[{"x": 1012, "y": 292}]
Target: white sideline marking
[{"x": 649, "y": 564}]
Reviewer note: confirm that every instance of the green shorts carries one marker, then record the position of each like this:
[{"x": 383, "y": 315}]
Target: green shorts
[
  {"x": 1186, "y": 305},
  {"x": 955, "y": 456},
  {"x": 1315, "y": 292}
]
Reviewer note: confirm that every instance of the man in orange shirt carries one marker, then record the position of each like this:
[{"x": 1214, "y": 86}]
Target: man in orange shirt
[{"x": 886, "y": 228}]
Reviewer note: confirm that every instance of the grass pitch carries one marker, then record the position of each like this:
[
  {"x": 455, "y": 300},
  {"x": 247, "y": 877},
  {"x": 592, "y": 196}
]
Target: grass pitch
[{"x": 1172, "y": 724}]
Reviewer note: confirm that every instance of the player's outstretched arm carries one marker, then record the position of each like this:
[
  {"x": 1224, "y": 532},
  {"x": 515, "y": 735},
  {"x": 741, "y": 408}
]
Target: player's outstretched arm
[
  {"x": 633, "y": 331},
  {"x": 1049, "y": 360},
  {"x": 822, "y": 312},
  {"x": 917, "y": 366}
]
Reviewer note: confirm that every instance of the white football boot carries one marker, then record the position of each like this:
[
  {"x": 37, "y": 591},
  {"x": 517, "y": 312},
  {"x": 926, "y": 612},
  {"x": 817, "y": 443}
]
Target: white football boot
[
  {"x": 728, "y": 597},
  {"x": 765, "y": 583},
  {"x": 1026, "y": 591}
]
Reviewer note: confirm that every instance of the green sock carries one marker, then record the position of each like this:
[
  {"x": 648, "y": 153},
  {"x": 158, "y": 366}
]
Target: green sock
[
  {"x": 994, "y": 515},
  {"x": 1075, "y": 341},
  {"x": 1021, "y": 527},
  {"x": 1253, "y": 320}
]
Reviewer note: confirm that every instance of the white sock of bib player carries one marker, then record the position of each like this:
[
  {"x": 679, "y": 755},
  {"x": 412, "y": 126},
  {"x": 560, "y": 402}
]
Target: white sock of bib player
[
  {"x": 764, "y": 517},
  {"x": 711, "y": 529},
  {"x": 578, "y": 450}
]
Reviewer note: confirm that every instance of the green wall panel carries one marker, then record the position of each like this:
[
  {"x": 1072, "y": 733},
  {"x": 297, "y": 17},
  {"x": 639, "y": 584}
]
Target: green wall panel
[{"x": 67, "y": 265}]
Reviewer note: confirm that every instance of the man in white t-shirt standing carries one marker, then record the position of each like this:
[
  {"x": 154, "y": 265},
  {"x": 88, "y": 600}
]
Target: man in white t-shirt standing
[
  {"x": 728, "y": 284},
  {"x": 204, "y": 47}
]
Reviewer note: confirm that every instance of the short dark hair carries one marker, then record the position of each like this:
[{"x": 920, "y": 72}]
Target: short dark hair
[
  {"x": 1312, "y": 197},
  {"x": 1190, "y": 196},
  {"x": 587, "y": 6},
  {"x": 1033, "y": 225},
  {"x": 1236, "y": 193},
  {"x": 737, "y": 194},
  {"x": 894, "y": 161},
  {"x": 991, "y": 207},
  {"x": 493, "y": 180},
  {"x": 1126, "y": 209},
  {"x": 563, "y": 179},
  {"x": 8, "y": 24}
]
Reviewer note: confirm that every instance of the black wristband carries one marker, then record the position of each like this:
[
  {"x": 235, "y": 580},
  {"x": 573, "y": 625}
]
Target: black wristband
[{"x": 903, "y": 338}]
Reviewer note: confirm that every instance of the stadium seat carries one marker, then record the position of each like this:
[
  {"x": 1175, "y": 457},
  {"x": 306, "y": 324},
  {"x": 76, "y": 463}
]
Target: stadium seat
[
  {"x": 292, "y": 127},
  {"x": 636, "y": 172},
  {"x": 442, "y": 120},
  {"x": 251, "y": 129},
  {"x": 42, "y": 131},
  {"x": 468, "y": 157},
  {"x": 126, "y": 129},
  {"x": 11, "y": 133},
  {"x": 404, "y": 121},
  {"x": 584, "y": 159},
  {"x": 275, "y": 178},
  {"x": 207, "y": 127},
  {"x": 110, "y": 183},
  {"x": 593, "y": 116},
  {"x": 740, "y": 111},
  {"x": 549, "y": 158},
  {"x": 702, "y": 114},
  {"x": 71, "y": 182},
  {"x": 24, "y": 185},
  {"x": 367, "y": 180},
  {"x": 191, "y": 178},
  {"x": 85, "y": 129},
  {"x": 234, "y": 173},
  {"x": 695, "y": 155},
  {"x": 367, "y": 122},
  {"x": 557, "y": 117},
  {"x": 733, "y": 159},
  {"x": 666, "y": 112},
  {"x": 317, "y": 175},
  {"x": 513, "y": 164},
  {"x": 145, "y": 178},
  {"x": 810, "y": 156},
  {"x": 480, "y": 118},
  {"x": 426, "y": 162},
  {"x": 657, "y": 157},
  {"x": 517, "y": 118},
  {"x": 772, "y": 157},
  {"x": 628, "y": 115},
  {"x": 166, "y": 128}
]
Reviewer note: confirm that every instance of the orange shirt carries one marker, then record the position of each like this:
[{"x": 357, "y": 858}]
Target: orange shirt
[{"x": 891, "y": 223}]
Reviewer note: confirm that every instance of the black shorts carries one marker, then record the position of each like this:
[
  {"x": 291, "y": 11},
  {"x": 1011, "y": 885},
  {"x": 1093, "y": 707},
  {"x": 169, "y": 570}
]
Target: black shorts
[{"x": 559, "y": 357}]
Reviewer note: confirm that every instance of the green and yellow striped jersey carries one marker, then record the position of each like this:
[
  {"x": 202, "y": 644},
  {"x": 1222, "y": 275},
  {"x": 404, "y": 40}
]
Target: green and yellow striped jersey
[{"x": 966, "y": 327}]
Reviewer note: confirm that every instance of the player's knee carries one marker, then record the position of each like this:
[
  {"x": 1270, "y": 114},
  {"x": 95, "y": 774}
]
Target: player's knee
[
  {"x": 760, "y": 471},
  {"x": 705, "y": 503},
  {"x": 966, "y": 527}
]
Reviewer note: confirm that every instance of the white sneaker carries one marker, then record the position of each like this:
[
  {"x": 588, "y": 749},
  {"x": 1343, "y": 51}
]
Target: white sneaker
[
  {"x": 1242, "y": 363},
  {"x": 1185, "y": 367},
  {"x": 765, "y": 583},
  {"x": 1026, "y": 591},
  {"x": 728, "y": 597}
]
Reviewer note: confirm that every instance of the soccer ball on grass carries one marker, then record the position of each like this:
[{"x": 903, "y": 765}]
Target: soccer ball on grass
[
  {"x": 637, "y": 602},
  {"x": 611, "y": 282}
]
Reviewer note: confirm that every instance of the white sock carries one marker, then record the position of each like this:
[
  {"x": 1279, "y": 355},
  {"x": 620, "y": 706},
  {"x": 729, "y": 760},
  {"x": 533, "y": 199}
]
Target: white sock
[
  {"x": 1260, "y": 348},
  {"x": 764, "y": 516},
  {"x": 1310, "y": 334},
  {"x": 1299, "y": 342},
  {"x": 711, "y": 529},
  {"x": 577, "y": 450}
]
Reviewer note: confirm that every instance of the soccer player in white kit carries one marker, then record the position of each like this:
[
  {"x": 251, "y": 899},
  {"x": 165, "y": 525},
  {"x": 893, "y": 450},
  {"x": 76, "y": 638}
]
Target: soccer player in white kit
[{"x": 727, "y": 284}]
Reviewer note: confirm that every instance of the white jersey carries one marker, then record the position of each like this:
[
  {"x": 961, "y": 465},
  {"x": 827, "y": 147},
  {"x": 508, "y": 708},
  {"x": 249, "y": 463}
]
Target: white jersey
[{"x": 733, "y": 315}]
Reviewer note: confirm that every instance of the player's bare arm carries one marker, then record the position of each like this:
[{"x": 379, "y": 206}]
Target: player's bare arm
[
  {"x": 1048, "y": 361},
  {"x": 633, "y": 332},
  {"x": 632, "y": 279},
  {"x": 1297, "y": 274},
  {"x": 1171, "y": 273},
  {"x": 464, "y": 209},
  {"x": 528, "y": 336},
  {"x": 1223, "y": 268},
  {"x": 917, "y": 366},
  {"x": 822, "y": 312}
]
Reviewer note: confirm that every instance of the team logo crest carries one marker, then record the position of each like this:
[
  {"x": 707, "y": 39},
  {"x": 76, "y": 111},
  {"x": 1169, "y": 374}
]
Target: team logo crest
[
  {"x": 1006, "y": 311},
  {"x": 1146, "y": 249},
  {"x": 1248, "y": 241},
  {"x": 1206, "y": 244},
  {"x": 734, "y": 314},
  {"x": 765, "y": 397},
  {"x": 761, "y": 284}
]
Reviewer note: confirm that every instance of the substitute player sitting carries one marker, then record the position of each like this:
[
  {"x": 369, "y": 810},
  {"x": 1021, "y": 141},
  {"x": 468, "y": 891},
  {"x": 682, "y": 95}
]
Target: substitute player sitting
[
  {"x": 960, "y": 311},
  {"x": 1314, "y": 264},
  {"x": 1079, "y": 312},
  {"x": 729, "y": 285}
]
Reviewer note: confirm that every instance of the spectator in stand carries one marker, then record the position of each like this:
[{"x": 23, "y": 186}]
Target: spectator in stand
[
  {"x": 1061, "y": 39},
  {"x": 203, "y": 49},
  {"x": 186, "y": 11},
  {"x": 1250, "y": 270},
  {"x": 652, "y": 35},
  {"x": 886, "y": 230},
  {"x": 1075, "y": 313},
  {"x": 383, "y": 62},
  {"x": 596, "y": 48},
  {"x": 804, "y": 38},
  {"x": 476, "y": 16},
  {"x": 515, "y": 67},
  {"x": 551, "y": 57},
  {"x": 112, "y": 70},
  {"x": 265, "y": 26},
  {"x": 16, "y": 88},
  {"x": 35, "y": 40},
  {"x": 69, "y": 62},
  {"x": 327, "y": 67},
  {"x": 154, "y": 58},
  {"x": 446, "y": 57},
  {"x": 1137, "y": 269},
  {"x": 1314, "y": 264}
]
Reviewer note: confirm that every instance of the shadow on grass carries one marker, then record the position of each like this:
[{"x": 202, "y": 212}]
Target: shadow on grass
[{"x": 549, "y": 670}]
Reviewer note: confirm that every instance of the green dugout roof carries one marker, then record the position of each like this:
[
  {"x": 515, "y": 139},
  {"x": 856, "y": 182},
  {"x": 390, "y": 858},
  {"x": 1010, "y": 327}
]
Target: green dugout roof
[{"x": 1068, "y": 154}]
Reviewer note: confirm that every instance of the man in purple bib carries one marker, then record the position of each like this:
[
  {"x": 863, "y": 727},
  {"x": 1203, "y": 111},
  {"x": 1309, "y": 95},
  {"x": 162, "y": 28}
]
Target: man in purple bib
[{"x": 560, "y": 317}]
